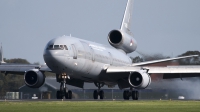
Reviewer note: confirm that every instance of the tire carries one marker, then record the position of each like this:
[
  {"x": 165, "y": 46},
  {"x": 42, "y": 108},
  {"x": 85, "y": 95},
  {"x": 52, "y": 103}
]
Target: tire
[
  {"x": 133, "y": 95},
  {"x": 126, "y": 95},
  {"x": 95, "y": 94},
  {"x": 66, "y": 95},
  {"x": 58, "y": 95},
  {"x": 70, "y": 94},
  {"x": 101, "y": 94},
  {"x": 136, "y": 95}
]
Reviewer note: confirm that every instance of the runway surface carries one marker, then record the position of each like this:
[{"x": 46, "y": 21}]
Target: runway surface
[{"x": 49, "y": 100}]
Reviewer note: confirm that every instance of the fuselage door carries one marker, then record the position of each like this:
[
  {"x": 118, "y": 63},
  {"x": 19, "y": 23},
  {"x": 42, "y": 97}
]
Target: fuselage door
[
  {"x": 74, "y": 51},
  {"x": 92, "y": 52},
  {"x": 110, "y": 58}
]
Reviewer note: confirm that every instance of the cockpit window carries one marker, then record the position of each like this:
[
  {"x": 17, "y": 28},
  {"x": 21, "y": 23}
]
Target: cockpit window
[
  {"x": 61, "y": 46},
  {"x": 66, "y": 47},
  {"x": 50, "y": 47},
  {"x": 57, "y": 47}
]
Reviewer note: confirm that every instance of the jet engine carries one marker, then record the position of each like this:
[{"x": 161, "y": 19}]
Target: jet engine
[
  {"x": 34, "y": 78},
  {"x": 139, "y": 80},
  {"x": 122, "y": 40}
]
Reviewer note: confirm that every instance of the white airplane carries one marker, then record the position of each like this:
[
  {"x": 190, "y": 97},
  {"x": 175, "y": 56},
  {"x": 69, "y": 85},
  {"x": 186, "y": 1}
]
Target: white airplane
[{"x": 75, "y": 61}]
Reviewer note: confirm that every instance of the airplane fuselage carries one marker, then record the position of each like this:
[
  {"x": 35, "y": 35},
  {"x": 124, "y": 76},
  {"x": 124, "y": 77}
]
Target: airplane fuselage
[{"x": 82, "y": 59}]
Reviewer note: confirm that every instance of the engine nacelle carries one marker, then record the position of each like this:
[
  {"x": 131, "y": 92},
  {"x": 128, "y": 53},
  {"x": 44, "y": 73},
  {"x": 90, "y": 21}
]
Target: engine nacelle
[
  {"x": 139, "y": 80},
  {"x": 34, "y": 78},
  {"x": 122, "y": 40}
]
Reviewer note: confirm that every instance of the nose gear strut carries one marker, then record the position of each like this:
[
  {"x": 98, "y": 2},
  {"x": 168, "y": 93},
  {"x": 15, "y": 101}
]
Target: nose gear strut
[
  {"x": 98, "y": 92},
  {"x": 63, "y": 92}
]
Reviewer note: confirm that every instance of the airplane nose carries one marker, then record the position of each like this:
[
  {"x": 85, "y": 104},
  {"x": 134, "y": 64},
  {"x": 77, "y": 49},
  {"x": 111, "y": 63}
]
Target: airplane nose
[
  {"x": 53, "y": 59},
  {"x": 49, "y": 53},
  {"x": 49, "y": 56},
  {"x": 52, "y": 56}
]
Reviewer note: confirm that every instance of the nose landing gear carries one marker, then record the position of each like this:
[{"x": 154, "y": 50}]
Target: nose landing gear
[
  {"x": 63, "y": 92},
  {"x": 98, "y": 92}
]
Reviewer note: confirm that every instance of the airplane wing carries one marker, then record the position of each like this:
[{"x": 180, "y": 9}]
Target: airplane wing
[
  {"x": 19, "y": 68},
  {"x": 168, "y": 72},
  {"x": 155, "y": 69},
  {"x": 22, "y": 68},
  {"x": 162, "y": 60}
]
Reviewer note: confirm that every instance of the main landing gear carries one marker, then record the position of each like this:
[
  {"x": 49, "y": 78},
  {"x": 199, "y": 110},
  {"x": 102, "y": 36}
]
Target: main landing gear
[
  {"x": 98, "y": 92},
  {"x": 63, "y": 92},
  {"x": 130, "y": 93}
]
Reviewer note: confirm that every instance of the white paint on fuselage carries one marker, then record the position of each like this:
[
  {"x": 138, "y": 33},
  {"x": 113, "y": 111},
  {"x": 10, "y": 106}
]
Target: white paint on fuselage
[{"x": 91, "y": 57}]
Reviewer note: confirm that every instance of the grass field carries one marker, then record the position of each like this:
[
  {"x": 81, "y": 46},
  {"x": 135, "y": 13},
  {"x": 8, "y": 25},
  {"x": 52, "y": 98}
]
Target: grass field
[{"x": 101, "y": 106}]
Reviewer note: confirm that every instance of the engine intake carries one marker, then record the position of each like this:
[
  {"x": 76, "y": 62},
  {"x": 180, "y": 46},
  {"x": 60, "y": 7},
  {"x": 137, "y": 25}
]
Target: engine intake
[
  {"x": 115, "y": 37},
  {"x": 122, "y": 40},
  {"x": 34, "y": 78},
  {"x": 139, "y": 80}
]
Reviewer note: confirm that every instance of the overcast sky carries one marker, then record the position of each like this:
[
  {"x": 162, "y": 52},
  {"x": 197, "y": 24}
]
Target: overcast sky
[{"x": 170, "y": 27}]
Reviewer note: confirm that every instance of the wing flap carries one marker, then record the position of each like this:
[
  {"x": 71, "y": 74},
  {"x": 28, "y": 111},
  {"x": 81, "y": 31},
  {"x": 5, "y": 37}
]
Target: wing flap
[
  {"x": 174, "y": 69},
  {"x": 183, "y": 75},
  {"x": 154, "y": 69}
]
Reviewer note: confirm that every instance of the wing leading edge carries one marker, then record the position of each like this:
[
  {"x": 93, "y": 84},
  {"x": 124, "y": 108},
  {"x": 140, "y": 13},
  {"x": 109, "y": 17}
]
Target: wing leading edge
[
  {"x": 162, "y": 60},
  {"x": 22, "y": 68}
]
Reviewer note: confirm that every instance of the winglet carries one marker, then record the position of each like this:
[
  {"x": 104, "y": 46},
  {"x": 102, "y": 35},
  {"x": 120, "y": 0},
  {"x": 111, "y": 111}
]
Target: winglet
[
  {"x": 1, "y": 55},
  {"x": 126, "y": 22}
]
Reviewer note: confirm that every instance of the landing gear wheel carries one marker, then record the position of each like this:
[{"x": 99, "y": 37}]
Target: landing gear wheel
[
  {"x": 70, "y": 94},
  {"x": 58, "y": 95},
  {"x": 126, "y": 95},
  {"x": 95, "y": 94},
  {"x": 101, "y": 94},
  {"x": 135, "y": 95},
  {"x": 66, "y": 95}
]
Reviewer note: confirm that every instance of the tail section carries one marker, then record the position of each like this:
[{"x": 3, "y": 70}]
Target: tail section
[
  {"x": 126, "y": 23},
  {"x": 1, "y": 55},
  {"x": 123, "y": 38}
]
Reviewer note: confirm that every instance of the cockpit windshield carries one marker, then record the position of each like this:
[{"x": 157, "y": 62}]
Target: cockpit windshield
[{"x": 57, "y": 47}]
